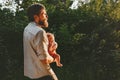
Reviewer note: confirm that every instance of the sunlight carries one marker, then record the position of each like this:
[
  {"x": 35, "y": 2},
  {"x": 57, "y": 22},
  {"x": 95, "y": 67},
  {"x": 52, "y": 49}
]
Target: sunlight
[{"x": 77, "y": 3}]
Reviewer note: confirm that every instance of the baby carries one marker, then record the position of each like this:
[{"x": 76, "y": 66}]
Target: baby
[{"x": 52, "y": 46}]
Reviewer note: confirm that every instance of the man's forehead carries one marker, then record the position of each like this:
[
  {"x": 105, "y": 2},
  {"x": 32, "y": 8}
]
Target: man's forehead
[{"x": 43, "y": 11}]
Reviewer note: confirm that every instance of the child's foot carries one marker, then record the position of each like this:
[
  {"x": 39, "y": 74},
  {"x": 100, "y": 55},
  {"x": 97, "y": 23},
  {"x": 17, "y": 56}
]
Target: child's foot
[{"x": 59, "y": 65}]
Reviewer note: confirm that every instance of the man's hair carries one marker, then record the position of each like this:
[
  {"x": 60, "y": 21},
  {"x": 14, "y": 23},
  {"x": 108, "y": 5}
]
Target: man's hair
[{"x": 34, "y": 9}]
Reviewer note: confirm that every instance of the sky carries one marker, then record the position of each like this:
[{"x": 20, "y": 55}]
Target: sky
[
  {"x": 13, "y": 5},
  {"x": 1, "y": 1},
  {"x": 77, "y": 3},
  {"x": 9, "y": 4}
]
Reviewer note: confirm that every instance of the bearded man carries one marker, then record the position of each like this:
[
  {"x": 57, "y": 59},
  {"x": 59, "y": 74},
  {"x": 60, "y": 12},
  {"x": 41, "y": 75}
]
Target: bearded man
[{"x": 36, "y": 57}]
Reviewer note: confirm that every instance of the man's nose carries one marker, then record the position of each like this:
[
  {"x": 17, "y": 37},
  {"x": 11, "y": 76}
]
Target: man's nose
[{"x": 46, "y": 16}]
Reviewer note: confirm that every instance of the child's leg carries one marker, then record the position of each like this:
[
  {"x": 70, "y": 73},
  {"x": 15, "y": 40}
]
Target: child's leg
[{"x": 57, "y": 60}]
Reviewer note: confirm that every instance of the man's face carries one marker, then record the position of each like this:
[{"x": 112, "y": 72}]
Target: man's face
[{"x": 43, "y": 18}]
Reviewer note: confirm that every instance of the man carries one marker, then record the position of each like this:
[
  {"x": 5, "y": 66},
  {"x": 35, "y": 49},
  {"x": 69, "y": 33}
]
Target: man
[{"x": 36, "y": 56}]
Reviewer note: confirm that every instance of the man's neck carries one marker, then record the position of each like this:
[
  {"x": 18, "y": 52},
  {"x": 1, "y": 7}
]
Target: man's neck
[{"x": 38, "y": 24}]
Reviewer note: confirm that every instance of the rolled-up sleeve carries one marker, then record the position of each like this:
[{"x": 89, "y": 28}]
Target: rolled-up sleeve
[{"x": 41, "y": 45}]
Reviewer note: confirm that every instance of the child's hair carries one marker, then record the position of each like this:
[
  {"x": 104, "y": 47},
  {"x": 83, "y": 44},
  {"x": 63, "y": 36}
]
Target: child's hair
[{"x": 50, "y": 35}]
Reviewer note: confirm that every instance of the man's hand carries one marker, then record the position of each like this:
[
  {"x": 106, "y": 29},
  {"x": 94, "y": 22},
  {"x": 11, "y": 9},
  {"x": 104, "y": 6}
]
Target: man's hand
[{"x": 48, "y": 60}]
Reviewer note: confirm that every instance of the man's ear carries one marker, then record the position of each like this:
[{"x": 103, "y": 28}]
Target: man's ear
[{"x": 36, "y": 18}]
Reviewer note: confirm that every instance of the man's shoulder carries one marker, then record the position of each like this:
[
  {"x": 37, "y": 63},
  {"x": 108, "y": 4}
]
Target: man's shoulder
[{"x": 33, "y": 28}]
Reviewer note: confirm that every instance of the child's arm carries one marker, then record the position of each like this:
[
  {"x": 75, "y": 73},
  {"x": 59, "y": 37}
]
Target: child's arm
[{"x": 55, "y": 45}]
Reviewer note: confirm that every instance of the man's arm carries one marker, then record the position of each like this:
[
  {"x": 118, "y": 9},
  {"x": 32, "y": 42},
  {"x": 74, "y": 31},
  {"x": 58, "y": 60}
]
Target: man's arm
[
  {"x": 47, "y": 61},
  {"x": 42, "y": 48}
]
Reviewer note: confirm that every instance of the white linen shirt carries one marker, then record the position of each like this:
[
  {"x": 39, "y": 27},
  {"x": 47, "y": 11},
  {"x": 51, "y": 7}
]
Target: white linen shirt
[{"x": 35, "y": 49}]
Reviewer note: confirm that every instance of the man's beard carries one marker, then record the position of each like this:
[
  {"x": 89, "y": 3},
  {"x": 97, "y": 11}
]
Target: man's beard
[{"x": 43, "y": 23}]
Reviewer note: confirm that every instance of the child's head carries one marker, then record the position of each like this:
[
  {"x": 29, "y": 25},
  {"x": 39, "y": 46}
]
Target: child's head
[{"x": 50, "y": 37}]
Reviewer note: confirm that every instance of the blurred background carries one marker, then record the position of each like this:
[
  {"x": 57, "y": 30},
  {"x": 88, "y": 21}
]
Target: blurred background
[{"x": 87, "y": 31}]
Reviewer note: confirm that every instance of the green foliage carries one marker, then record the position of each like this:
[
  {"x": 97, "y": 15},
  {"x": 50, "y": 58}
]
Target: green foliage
[{"x": 88, "y": 39}]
